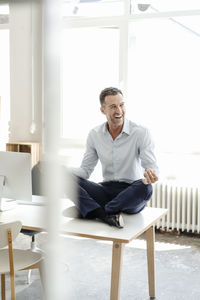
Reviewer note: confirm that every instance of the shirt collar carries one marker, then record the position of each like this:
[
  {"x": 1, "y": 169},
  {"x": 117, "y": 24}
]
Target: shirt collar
[{"x": 126, "y": 127}]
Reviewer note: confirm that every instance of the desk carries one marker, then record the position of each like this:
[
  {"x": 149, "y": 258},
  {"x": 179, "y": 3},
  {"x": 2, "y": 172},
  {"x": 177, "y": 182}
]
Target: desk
[{"x": 33, "y": 217}]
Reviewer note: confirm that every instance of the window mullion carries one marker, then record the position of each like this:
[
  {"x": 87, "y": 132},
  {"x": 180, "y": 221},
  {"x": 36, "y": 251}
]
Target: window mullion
[
  {"x": 127, "y": 8},
  {"x": 92, "y": 22},
  {"x": 123, "y": 56},
  {"x": 165, "y": 14}
]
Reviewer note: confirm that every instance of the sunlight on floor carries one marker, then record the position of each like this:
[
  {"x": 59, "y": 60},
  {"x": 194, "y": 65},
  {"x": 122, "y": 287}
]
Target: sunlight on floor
[
  {"x": 141, "y": 244},
  {"x": 159, "y": 246}
]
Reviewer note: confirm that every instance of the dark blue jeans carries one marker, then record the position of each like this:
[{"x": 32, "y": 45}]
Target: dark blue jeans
[{"x": 113, "y": 196}]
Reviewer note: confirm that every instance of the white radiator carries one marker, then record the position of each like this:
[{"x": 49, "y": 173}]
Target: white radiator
[{"x": 183, "y": 204}]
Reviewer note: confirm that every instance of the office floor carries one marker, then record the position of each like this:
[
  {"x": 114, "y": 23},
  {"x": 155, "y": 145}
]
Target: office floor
[{"x": 88, "y": 263}]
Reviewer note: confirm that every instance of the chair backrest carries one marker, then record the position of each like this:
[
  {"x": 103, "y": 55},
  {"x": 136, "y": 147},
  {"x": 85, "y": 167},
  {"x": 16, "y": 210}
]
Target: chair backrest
[{"x": 15, "y": 229}]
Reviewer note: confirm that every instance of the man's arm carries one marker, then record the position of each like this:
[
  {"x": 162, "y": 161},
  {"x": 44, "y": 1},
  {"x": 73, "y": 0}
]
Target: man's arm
[
  {"x": 89, "y": 161},
  {"x": 148, "y": 158}
]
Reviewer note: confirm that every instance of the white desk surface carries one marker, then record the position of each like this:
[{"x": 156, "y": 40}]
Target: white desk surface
[
  {"x": 34, "y": 217},
  {"x": 31, "y": 216},
  {"x": 134, "y": 226}
]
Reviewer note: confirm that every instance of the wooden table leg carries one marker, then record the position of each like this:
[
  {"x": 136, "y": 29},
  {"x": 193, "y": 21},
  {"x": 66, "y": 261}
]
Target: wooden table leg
[
  {"x": 3, "y": 287},
  {"x": 150, "y": 238},
  {"x": 117, "y": 253}
]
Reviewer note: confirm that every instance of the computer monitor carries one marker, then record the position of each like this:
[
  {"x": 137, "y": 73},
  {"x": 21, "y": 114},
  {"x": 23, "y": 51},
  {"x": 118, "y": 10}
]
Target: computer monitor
[{"x": 15, "y": 176}]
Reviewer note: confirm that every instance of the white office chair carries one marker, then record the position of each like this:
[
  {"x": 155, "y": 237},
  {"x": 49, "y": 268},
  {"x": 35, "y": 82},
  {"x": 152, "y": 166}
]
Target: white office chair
[
  {"x": 33, "y": 247},
  {"x": 12, "y": 260},
  {"x": 36, "y": 190}
]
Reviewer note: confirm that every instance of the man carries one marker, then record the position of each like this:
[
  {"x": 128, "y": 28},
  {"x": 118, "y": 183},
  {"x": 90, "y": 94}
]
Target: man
[{"x": 126, "y": 152}]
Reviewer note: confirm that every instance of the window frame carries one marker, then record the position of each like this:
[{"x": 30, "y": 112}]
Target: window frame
[{"x": 122, "y": 23}]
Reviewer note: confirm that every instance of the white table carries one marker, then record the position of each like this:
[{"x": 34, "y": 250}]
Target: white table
[
  {"x": 33, "y": 217},
  {"x": 135, "y": 225}
]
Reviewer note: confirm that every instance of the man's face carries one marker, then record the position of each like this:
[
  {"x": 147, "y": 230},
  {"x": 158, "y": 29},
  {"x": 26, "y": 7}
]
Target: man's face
[{"x": 114, "y": 110}]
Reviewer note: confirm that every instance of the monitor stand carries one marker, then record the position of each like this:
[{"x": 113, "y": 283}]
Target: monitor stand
[{"x": 5, "y": 203}]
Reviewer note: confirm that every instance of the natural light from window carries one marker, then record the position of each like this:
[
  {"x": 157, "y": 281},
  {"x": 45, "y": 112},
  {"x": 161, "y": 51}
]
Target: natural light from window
[
  {"x": 164, "y": 88},
  {"x": 149, "y": 6},
  {"x": 92, "y": 8},
  {"x": 163, "y": 66},
  {"x": 90, "y": 62}
]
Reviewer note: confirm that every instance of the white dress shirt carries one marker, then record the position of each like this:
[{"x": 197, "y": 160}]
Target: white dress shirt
[{"x": 122, "y": 159}]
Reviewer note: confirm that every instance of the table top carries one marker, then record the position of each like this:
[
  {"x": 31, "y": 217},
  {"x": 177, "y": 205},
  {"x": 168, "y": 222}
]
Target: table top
[
  {"x": 33, "y": 217},
  {"x": 134, "y": 226}
]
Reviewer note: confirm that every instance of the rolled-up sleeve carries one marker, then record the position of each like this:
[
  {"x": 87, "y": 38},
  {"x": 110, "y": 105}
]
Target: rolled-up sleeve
[{"x": 147, "y": 151}]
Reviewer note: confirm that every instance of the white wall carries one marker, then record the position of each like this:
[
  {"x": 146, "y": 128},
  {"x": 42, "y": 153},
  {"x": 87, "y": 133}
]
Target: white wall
[{"x": 21, "y": 70}]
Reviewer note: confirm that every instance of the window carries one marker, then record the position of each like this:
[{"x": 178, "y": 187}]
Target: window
[
  {"x": 152, "y": 53},
  {"x": 149, "y": 6},
  {"x": 90, "y": 62},
  {"x": 93, "y": 8},
  {"x": 164, "y": 90}
]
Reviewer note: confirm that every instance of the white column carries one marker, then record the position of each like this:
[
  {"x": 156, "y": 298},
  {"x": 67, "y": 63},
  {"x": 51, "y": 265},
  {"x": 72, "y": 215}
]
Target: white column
[{"x": 55, "y": 283}]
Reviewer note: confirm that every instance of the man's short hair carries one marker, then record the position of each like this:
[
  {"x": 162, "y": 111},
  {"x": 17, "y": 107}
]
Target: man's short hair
[{"x": 107, "y": 92}]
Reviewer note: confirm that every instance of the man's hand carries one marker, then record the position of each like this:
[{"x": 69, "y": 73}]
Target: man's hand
[{"x": 150, "y": 176}]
